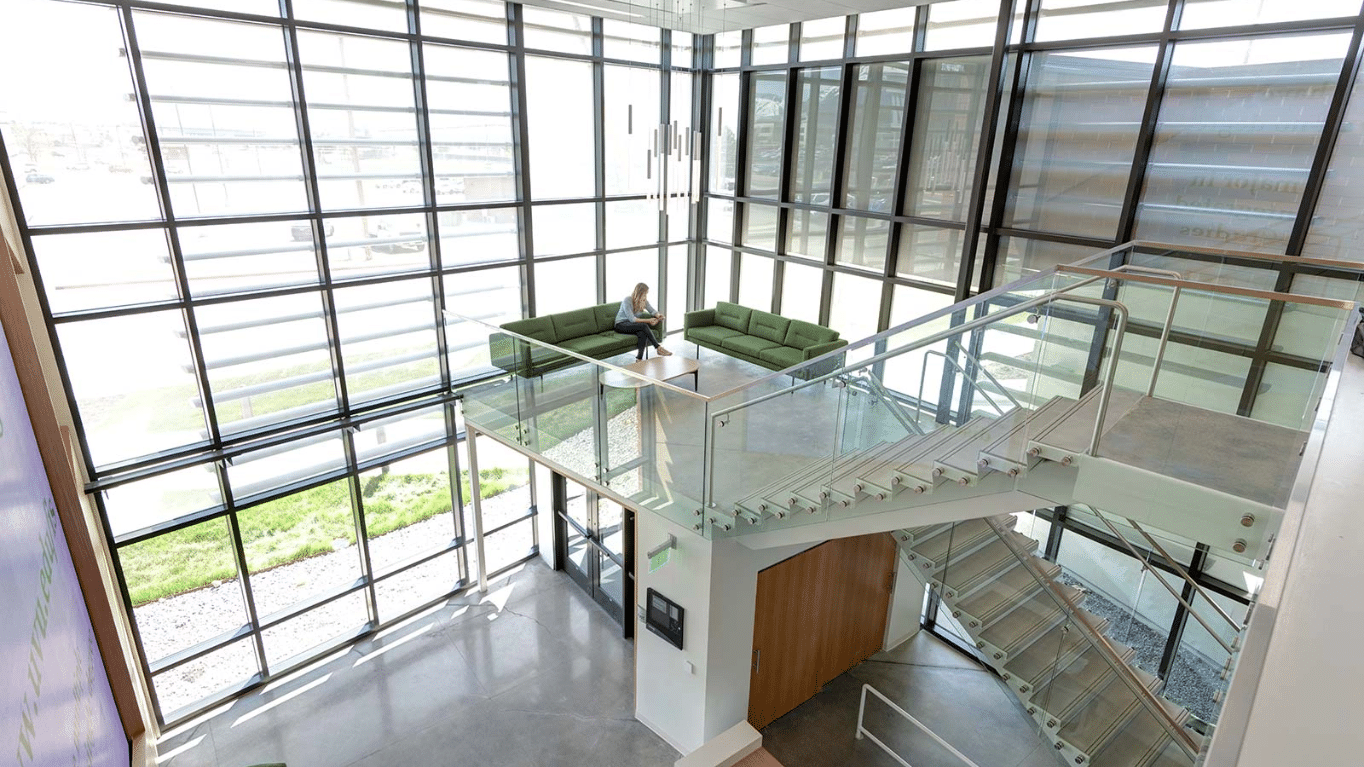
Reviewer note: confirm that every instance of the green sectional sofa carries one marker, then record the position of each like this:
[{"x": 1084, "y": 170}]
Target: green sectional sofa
[
  {"x": 763, "y": 338},
  {"x": 590, "y": 332}
]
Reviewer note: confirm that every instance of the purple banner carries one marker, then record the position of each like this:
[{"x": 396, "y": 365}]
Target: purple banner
[{"x": 59, "y": 710}]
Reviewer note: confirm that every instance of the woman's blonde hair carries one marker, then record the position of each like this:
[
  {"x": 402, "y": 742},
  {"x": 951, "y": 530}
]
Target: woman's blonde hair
[{"x": 637, "y": 297}]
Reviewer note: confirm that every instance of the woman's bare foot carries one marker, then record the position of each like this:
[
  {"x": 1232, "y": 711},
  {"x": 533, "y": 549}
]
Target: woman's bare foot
[{"x": 664, "y": 352}]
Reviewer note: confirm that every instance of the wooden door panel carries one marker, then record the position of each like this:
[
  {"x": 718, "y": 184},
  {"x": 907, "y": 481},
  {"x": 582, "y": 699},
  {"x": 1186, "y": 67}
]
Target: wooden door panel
[{"x": 782, "y": 673}]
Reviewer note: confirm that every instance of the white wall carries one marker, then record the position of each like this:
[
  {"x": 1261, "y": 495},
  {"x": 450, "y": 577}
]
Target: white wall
[{"x": 906, "y": 605}]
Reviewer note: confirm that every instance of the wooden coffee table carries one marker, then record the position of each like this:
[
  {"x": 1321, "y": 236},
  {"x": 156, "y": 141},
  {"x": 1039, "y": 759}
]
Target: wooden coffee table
[{"x": 655, "y": 368}]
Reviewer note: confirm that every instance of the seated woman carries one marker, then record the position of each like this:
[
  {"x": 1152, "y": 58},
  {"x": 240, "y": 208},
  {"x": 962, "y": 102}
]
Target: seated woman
[{"x": 630, "y": 322}]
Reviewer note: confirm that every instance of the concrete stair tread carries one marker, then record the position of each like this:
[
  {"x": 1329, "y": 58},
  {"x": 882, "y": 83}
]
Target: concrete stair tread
[
  {"x": 1061, "y": 643},
  {"x": 995, "y": 598},
  {"x": 921, "y": 467},
  {"x": 1144, "y": 742},
  {"x": 1074, "y": 683},
  {"x": 883, "y": 476},
  {"x": 955, "y": 540},
  {"x": 845, "y": 474},
  {"x": 965, "y": 456},
  {"x": 1072, "y": 433},
  {"x": 1011, "y": 450},
  {"x": 1024, "y": 624},
  {"x": 1106, "y": 713},
  {"x": 964, "y": 575},
  {"x": 757, "y": 500}
]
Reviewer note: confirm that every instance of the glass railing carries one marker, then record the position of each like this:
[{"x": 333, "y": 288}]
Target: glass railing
[
  {"x": 1082, "y": 688},
  {"x": 831, "y": 437}
]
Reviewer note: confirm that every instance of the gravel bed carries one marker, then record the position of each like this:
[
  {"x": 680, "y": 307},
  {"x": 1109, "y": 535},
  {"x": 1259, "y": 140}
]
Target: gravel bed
[{"x": 174, "y": 623}]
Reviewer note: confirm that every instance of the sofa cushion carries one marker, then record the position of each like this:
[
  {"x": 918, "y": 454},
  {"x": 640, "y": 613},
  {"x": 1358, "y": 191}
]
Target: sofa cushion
[
  {"x": 574, "y": 324},
  {"x": 711, "y": 334},
  {"x": 768, "y": 325},
  {"x": 750, "y": 345},
  {"x": 595, "y": 345},
  {"x": 732, "y": 316},
  {"x": 782, "y": 356},
  {"x": 606, "y": 316},
  {"x": 539, "y": 328},
  {"x": 803, "y": 335}
]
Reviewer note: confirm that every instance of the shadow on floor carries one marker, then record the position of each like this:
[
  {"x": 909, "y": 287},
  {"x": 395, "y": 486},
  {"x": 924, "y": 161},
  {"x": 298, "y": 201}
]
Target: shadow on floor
[{"x": 963, "y": 702}]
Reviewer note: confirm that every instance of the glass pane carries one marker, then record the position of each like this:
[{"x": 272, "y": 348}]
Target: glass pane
[
  {"x": 388, "y": 339},
  {"x": 361, "y": 246},
  {"x": 1019, "y": 257},
  {"x": 676, "y": 303},
  {"x": 185, "y": 685},
  {"x": 1236, "y": 180},
  {"x": 720, "y": 219},
  {"x": 503, "y": 483},
  {"x": 96, "y": 168},
  {"x": 562, "y": 230},
  {"x": 874, "y": 136},
  {"x": 929, "y": 254},
  {"x": 362, "y": 112},
  {"x": 1068, "y": 19},
  {"x": 569, "y": 284},
  {"x": 755, "y": 281},
  {"x": 855, "y": 308},
  {"x": 771, "y": 45},
  {"x": 822, "y": 39},
  {"x": 683, "y": 170},
  {"x": 683, "y": 48},
  {"x": 809, "y": 231},
  {"x": 1337, "y": 230},
  {"x": 766, "y": 124},
  {"x": 946, "y": 136},
  {"x": 289, "y": 643},
  {"x": 625, "y": 270},
  {"x": 559, "y": 99},
  {"x": 481, "y": 20},
  {"x": 134, "y": 399},
  {"x": 218, "y": 87},
  {"x": 816, "y": 127},
  {"x": 407, "y": 509},
  {"x": 236, "y": 258},
  {"x": 270, "y": 469},
  {"x": 469, "y": 98},
  {"x": 299, "y": 546},
  {"x": 268, "y": 360},
  {"x": 727, "y": 45},
  {"x": 631, "y": 130},
  {"x": 556, "y": 31},
  {"x": 406, "y": 591},
  {"x": 1202, "y": 14},
  {"x": 386, "y": 436},
  {"x": 724, "y": 115},
  {"x": 1079, "y": 127},
  {"x": 478, "y": 236},
  {"x": 507, "y": 547},
  {"x": 864, "y": 243},
  {"x": 490, "y": 295},
  {"x": 375, "y": 14},
  {"x": 171, "y": 581},
  {"x": 151, "y": 501},
  {"x": 105, "y": 269},
  {"x": 633, "y": 42},
  {"x": 967, "y": 24},
  {"x": 717, "y": 275},
  {"x": 760, "y": 226},
  {"x": 884, "y": 32},
  {"x": 802, "y": 287},
  {"x": 908, "y": 303}
]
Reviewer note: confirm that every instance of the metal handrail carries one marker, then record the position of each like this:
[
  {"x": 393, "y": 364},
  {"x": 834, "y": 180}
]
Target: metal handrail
[
  {"x": 923, "y": 373},
  {"x": 1161, "y": 579},
  {"x": 1187, "y": 578},
  {"x": 862, "y": 730},
  {"x": 1098, "y": 640},
  {"x": 893, "y": 404}
]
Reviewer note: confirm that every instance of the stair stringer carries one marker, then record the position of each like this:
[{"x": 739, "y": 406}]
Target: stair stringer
[{"x": 1048, "y": 724}]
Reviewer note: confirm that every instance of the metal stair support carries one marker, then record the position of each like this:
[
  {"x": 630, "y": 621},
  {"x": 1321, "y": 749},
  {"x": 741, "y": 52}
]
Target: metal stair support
[
  {"x": 923, "y": 375},
  {"x": 897, "y": 411}
]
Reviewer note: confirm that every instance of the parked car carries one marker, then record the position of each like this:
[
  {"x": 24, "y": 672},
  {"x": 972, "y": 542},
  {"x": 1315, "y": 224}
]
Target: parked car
[
  {"x": 402, "y": 238},
  {"x": 120, "y": 169},
  {"x": 39, "y": 178},
  {"x": 304, "y": 232}
]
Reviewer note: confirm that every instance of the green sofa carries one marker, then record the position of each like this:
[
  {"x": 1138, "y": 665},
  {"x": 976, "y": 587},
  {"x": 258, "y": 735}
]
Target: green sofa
[
  {"x": 590, "y": 332},
  {"x": 763, "y": 338}
]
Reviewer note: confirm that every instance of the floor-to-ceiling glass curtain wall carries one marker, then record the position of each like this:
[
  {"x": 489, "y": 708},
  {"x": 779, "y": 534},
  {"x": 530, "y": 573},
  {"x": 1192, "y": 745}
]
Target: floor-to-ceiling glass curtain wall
[{"x": 244, "y": 232}]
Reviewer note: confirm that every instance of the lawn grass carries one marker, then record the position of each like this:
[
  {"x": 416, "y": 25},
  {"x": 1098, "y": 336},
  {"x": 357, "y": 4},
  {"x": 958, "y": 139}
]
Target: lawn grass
[{"x": 293, "y": 528}]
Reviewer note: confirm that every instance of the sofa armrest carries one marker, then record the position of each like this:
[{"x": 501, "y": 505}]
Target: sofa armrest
[
  {"x": 509, "y": 353},
  {"x": 814, "y": 351},
  {"x": 659, "y": 328},
  {"x": 698, "y": 319}
]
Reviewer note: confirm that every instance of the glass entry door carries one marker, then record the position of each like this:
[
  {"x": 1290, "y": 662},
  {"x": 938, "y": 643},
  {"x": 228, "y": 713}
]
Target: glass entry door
[{"x": 594, "y": 541}]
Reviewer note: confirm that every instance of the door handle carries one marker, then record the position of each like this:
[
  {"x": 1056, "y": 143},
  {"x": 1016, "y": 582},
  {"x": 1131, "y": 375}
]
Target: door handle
[{"x": 757, "y": 661}]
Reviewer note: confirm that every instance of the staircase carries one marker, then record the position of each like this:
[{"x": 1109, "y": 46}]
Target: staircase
[{"x": 1079, "y": 686}]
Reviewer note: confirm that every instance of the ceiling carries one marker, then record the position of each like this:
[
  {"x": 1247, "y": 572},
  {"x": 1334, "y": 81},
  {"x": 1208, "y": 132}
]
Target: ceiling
[{"x": 709, "y": 16}]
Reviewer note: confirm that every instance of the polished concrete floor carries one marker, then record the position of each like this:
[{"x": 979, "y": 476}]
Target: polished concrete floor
[
  {"x": 957, "y": 698},
  {"x": 532, "y": 674}
]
